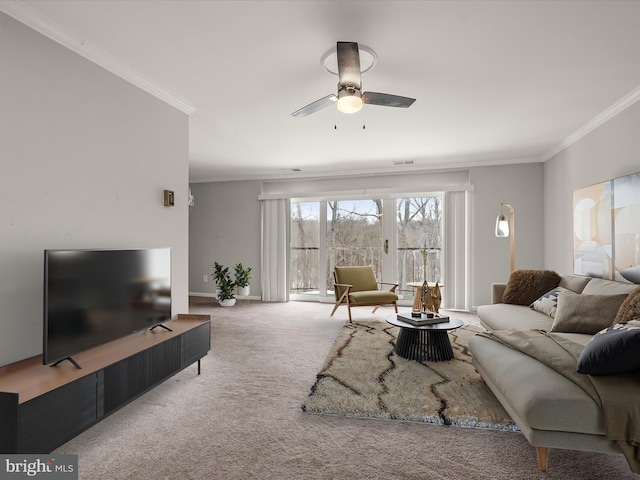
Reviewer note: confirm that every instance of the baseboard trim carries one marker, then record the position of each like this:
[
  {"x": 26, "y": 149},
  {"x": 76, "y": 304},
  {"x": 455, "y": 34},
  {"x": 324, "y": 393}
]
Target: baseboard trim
[{"x": 213, "y": 295}]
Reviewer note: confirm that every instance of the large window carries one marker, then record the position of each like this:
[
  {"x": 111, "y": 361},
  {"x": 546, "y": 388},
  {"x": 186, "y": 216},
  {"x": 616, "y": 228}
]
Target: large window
[
  {"x": 354, "y": 235},
  {"x": 392, "y": 235},
  {"x": 419, "y": 240},
  {"x": 304, "y": 247}
]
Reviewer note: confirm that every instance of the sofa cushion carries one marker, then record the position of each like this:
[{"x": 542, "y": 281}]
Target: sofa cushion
[
  {"x": 539, "y": 396},
  {"x": 525, "y": 286},
  {"x": 630, "y": 308},
  {"x": 599, "y": 286},
  {"x": 613, "y": 350},
  {"x": 575, "y": 283},
  {"x": 548, "y": 303},
  {"x": 504, "y": 316},
  {"x": 580, "y": 313}
]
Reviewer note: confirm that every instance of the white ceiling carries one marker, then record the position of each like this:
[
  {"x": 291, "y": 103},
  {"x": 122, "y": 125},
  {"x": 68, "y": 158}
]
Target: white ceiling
[{"x": 495, "y": 81}]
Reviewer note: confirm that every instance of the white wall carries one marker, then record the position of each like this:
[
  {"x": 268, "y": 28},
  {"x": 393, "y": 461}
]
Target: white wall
[
  {"x": 224, "y": 227},
  {"x": 610, "y": 151},
  {"x": 84, "y": 158},
  {"x": 523, "y": 187},
  {"x": 225, "y": 222}
]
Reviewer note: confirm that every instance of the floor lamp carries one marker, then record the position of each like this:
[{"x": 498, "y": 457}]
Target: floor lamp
[{"x": 507, "y": 229}]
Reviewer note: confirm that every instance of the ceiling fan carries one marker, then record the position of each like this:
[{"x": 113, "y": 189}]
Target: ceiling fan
[{"x": 350, "y": 97}]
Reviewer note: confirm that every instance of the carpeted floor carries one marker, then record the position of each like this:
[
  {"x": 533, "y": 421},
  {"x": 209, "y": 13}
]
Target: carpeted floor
[
  {"x": 241, "y": 419},
  {"x": 363, "y": 377}
]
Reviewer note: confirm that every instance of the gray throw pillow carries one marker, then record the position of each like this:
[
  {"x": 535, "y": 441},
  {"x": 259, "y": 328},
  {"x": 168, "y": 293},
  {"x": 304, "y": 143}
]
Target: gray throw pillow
[{"x": 579, "y": 313}]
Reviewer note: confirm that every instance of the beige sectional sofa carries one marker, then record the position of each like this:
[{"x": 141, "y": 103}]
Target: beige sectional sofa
[{"x": 550, "y": 410}]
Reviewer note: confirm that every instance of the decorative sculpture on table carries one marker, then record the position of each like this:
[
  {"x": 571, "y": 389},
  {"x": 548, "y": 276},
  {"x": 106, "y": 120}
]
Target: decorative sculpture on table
[
  {"x": 431, "y": 298},
  {"x": 436, "y": 296},
  {"x": 427, "y": 299}
]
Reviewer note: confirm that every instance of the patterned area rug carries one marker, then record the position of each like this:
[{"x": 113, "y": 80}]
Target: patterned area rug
[{"x": 363, "y": 377}]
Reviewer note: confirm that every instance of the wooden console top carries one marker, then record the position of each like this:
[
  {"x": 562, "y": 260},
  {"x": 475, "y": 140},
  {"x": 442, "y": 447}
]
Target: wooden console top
[{"x": 29, "y": 378}]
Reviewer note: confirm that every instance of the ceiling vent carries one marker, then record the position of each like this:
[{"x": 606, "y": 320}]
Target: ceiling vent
[{"x": 404, "y": 162}]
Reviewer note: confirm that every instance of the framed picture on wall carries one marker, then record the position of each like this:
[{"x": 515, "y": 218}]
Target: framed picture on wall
[
  {"x": 592, "y": 231},
  {"x": 626, "y": 219},
  {"x": 606, "y": 229}
]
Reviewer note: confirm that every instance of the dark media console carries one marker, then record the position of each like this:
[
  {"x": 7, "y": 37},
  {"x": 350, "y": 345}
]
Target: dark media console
[{"x": 43, "y": 407}]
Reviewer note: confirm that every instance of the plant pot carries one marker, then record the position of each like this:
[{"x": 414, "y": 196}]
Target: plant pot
[
  {"x": 244, "y": 291},
  {"x": 227, "y": 302}
]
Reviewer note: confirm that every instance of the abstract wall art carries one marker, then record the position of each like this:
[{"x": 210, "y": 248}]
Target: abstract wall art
[
  {"x": 606, "y": 229},
  {"x": 626, "y": 232}
]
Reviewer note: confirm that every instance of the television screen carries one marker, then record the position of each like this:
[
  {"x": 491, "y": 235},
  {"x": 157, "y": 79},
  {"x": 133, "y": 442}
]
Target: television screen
[{"x": 94, "y": 296}]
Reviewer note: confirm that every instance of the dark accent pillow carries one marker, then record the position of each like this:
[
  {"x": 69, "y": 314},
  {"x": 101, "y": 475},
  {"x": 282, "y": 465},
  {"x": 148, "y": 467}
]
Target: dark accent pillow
[
  {"x": 578, "y": 313},
  {"x": 548, "y": 303},
  {"x": 525, "y": 286},
  {"x": 630, "y": 308},
  {"x": 613, "y": 350}
]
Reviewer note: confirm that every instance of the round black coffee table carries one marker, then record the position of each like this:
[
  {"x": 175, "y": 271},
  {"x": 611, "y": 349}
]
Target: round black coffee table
[{"x": 425, "y": 342}]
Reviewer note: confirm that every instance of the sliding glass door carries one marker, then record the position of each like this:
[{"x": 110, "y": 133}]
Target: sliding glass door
[
  {"x": 390, "y": 234},
  {"x": 419, "y": 241},
  {"x": 354, "y": 235},
  {"x": 304, "y": 249}
]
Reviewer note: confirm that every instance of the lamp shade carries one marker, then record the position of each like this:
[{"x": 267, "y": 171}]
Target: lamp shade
[{"x": 502, "y": 226}]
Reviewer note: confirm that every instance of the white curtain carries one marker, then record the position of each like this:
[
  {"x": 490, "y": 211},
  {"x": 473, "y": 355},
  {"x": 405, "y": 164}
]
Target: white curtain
[
  {"x": 458, "y": 257},
  {"x": 275, "y": 250}
]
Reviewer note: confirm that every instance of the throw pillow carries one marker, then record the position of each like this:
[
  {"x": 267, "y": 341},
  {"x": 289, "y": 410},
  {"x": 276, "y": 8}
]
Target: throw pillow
[
  {"x": 578, "y": 313},
  {"x": 630, "y": 308},
  {"x": 613, "y": 350},
  {"x": 525, "y": 286},
  {"x": 548, "y": 303}
]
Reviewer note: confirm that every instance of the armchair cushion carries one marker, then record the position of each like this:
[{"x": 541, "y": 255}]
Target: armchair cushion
[
  {"x": 373, "y": 296},
  {"x": 362, "y": 278}
]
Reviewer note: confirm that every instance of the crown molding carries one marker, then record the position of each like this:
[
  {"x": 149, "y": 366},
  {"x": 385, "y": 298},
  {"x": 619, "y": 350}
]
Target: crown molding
[
  {"x": 596, "y": 122},
  {"x": 444, "y": 164},
  {"x": 47, "y": 27}
]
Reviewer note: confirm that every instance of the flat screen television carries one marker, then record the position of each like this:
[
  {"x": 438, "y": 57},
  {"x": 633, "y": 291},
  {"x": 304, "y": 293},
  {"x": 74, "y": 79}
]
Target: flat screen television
[{"x": 92, "y": 297}]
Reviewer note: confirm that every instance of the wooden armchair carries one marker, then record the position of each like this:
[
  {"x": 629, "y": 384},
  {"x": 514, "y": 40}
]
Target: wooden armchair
[{"x": 358, "y": 287}]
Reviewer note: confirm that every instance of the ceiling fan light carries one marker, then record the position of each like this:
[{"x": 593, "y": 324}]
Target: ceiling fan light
[{"x": 349, "y": 101}]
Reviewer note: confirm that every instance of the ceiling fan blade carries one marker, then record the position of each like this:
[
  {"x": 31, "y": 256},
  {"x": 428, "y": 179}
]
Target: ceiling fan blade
[
  {"x": 387, "y": 100},
  {"x": 324, "y": 102},
  {"x": 348, "y": 65}
]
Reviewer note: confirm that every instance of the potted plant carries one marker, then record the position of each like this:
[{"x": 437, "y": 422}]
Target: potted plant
[
  {"x": 226, "y": 286},
  {"x": 242, "y": 275}
]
